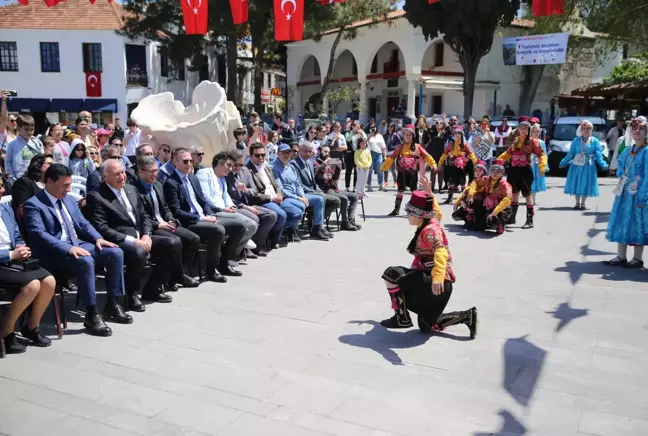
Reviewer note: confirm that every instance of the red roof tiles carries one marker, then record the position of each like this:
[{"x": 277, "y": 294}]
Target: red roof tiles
[{"x": 71, "y": 15}]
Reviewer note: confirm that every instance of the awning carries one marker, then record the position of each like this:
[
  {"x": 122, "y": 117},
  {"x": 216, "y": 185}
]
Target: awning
[
  {"x": 28, "y": 104},
  {"x": 100, "y": 105},
  {"x": 66, "y": 105},
  {"x": 447, "y": 83}
]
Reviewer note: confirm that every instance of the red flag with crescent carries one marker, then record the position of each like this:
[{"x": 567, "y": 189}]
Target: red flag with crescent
[
  {"x": 289, "y": 20},
  {"x": 239, "y": 11},
  {"x": 544, "y": 8},
  {"x": 93, "y": 84},
  {"x": 195, "y": 17}
]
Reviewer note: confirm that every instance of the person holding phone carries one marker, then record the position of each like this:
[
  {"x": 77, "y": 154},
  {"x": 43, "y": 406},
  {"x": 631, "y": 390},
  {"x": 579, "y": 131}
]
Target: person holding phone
[
  {"x": 327, "y": 176},
  {"x": 8, "y": 122}
]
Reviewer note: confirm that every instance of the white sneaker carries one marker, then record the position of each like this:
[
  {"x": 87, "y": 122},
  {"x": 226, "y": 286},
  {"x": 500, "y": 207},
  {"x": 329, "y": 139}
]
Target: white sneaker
[{"x": 250, "y": 245}]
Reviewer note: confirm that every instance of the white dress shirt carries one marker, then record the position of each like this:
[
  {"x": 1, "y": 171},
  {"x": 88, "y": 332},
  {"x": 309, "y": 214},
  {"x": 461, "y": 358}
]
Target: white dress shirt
[
  {"x": 269, "y": 189},
  {"x": 123, "y": 199},
  {"x": 5, "y": 237},
  {"x": 156, "y": 206},
  {"x": 134, "y": 140},
  {"x": 64, "y": 233},
  {"x": 193, "y": 203}
]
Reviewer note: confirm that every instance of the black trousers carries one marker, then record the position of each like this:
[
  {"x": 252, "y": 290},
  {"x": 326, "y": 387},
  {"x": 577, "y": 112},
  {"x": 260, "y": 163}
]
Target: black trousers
[
  {"x": 165, "y": 252},
  {"x": 190, "y": 243},
  {"x": 348, "y": 202},
  {"x": 349, "y": 167},
  {"x": 213, "y": 235},
  {"x": 407, "y": 179}
]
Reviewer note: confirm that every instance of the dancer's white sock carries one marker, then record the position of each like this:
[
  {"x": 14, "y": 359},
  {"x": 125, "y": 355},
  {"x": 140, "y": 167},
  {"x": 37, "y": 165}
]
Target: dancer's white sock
[
  {"x": 638, "y": 252},
  {"x": 577, "y": 200},
  {"x": 622, "y": 250}
]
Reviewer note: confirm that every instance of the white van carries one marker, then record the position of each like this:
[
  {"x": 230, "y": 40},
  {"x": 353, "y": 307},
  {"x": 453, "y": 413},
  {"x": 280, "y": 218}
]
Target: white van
[{"x": 564, "y": 132}]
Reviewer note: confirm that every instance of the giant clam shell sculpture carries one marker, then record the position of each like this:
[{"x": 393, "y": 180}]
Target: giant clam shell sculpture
[{"x": 209, "y": 121}]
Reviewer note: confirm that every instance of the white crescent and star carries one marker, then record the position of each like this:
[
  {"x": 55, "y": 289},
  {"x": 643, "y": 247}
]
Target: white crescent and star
[
  {"x": 283, "y": 4},
  {"x": 90, "y": 82},
  {"x": 193, "y": 8}
]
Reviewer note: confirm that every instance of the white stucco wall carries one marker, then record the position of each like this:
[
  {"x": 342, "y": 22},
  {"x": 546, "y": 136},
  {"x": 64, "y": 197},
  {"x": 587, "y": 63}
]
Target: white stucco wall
[{"x": 30, "y": 82}]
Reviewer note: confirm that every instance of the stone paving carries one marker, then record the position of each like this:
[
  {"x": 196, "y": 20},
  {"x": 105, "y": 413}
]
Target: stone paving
[{"x": 293, "y": 347}]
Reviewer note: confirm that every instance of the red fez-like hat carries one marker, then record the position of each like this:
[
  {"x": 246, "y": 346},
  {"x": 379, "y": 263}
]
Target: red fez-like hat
[{"x": 421, "y": 204}]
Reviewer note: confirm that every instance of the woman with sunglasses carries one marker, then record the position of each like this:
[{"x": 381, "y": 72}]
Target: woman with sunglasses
[
  {"x": 93, "y": 153},
  {"x": 8, "y": 126},
  {"x": 257, "y": 135},
  {"x": 80, "y": 163}
]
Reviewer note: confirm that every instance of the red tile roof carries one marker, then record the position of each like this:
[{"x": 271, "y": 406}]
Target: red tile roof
[{"x": 71, "y": 15}]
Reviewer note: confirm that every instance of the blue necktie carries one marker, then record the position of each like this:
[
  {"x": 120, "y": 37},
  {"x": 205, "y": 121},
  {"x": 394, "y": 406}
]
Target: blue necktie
[{"x": 69, "y": 227}]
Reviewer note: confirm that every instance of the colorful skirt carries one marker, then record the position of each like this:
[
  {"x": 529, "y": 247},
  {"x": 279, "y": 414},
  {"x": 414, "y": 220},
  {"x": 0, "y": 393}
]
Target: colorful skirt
[{"x": 582, "y": 180}]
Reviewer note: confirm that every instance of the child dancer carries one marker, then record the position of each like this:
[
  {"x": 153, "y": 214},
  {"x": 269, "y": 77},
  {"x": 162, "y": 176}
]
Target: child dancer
[{"x": 362, "y": 159}]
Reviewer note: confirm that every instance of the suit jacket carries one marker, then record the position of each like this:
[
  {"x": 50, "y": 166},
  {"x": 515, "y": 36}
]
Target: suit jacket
[
  {"x": 93, "y": 181},
  {"x": 44, "y": 228},
  {"x": 163, "y": 208},
  {"x": 22, "y": 190},
  {"x": 10, "y": 223},
  {"x": 306, "y": 174},
  {"x": 178, "y": 201},
  {"x": 238, "y": 197},
  {"x": 111, "y": 218},
  {"x": 256, "y": 195}
]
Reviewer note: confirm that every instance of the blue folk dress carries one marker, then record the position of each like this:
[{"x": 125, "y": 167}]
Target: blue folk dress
[
  {"x": 539, "y": 181},
  {"x": 583, "y": 157},
  {"x": 628, "y": 223}
]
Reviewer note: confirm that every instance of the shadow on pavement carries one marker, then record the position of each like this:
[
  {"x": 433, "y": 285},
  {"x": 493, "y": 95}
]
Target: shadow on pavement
[
  {"x": 384, "y": 341},
  {"x": 586, "y": 251},
  {"x": 560, "y": 208},
  {"x": 617, "y": 274},
  {"x": 459, "y": 229},
  {"x": 565, "y": 314},
  {"x": 510, "y": 426},
  {"x": 382, "y": 217},
  {"x": 523, "y": 363}
]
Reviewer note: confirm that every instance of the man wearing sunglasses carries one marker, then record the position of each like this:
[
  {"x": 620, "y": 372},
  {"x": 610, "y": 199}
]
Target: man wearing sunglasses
[{"x": 197, "y": 154}]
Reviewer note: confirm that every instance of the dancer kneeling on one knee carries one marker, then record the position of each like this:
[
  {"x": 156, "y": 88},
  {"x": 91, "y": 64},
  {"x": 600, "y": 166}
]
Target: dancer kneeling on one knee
[
  {"x": 425, "y": 288},
  {"x": 464, "y": 212}
]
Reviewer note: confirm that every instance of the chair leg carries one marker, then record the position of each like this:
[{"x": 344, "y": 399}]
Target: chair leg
[
  {"x": 57, "y": 315},
  {"x": 59, "y": 292},
  {"x": 337, "y": 218},
  {"x": 3, "y": 352},
  {"x": 364, "y": 218}
]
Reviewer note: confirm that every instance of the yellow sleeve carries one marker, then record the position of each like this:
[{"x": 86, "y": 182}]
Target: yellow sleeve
[
  {"x": 386, "y": 165},
  {"x": 428, "y": 159},
  {"x": 437, "y": 210},
  {"x": 503, "y": 204},
  {"x": 459, "y": 200},
  {"x": 506, "y": 155},
  {"x": 443, "y": 158},
  {"x": 440, "y": 262},
  {"x": 473, "y": 158},
  {"x": 472, "y": 188},
  {"x": 542, "y": 162}
]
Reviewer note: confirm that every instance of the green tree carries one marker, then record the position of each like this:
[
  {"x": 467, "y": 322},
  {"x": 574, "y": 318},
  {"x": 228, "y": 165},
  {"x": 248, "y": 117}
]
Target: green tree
[
  {"x": 338, "y": 95},
  {"x": 467, "y": 26},
  {"x": 624, "y": 20},
  {"x": 630, "y": 70}
]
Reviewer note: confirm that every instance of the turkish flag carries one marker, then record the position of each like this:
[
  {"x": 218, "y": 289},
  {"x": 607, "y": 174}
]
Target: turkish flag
[
  {"x": 289, "y": 20},
  {"x": 544, "y": 8},
  {"x": 194, "y": 13},
  {"x": 93, "y": 84},
  {"x": 239, "y": 11}
]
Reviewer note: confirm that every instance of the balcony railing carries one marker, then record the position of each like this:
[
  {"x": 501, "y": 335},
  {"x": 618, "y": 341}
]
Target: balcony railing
[{"x": 136, "y": 77}]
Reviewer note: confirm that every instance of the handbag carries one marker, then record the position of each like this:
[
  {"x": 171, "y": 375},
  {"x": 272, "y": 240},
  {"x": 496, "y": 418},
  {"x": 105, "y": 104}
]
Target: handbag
[{"x": 23, "y": 265}]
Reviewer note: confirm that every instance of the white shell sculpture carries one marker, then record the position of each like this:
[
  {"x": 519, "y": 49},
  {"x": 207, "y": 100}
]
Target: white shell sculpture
[{"x": 209, "y": 122}]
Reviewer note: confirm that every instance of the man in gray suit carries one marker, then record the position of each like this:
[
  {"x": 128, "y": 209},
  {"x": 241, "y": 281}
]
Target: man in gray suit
[{"x": 303, "y": 165}]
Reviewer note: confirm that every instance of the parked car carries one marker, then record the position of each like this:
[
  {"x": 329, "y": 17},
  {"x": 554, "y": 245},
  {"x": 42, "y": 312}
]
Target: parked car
[{"x": 564, "y": 132}]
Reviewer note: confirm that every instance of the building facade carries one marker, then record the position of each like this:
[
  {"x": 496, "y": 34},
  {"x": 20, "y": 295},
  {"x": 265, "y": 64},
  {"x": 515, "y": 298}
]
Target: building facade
[
  {"x": 392, "y": 66},
  {"x": 48, "y": 53}
]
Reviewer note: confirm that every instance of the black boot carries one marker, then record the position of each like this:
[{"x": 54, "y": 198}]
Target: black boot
[
  {"x": 514, "y": 209},
  {"x": 397, "y": 206},
  {"x": 529, "y": 218},
  {"x": 451, "y": 192},
  {"x": 401, "y": 318}
]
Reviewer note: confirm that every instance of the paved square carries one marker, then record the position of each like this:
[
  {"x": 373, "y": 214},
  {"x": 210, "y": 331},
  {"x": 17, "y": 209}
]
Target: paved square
[{"x": 293, "y": 347}]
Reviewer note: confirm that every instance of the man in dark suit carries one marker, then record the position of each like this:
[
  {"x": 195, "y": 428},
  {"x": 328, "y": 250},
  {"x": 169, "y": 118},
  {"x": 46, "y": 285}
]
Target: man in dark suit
[
  {"x": 263, "y": 190},
  {"x": 304, "y": 168},
  {"x": 187, "y": 204},
  {"x": 110, "y": 151},
  {"x": 118, "y": 214},
  {"x": 164, "y": 223},
  {"x": 63, "y": 241}
]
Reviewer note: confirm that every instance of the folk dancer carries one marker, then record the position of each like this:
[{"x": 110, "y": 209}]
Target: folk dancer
[
  {"x": 628, "y": 223},
  {"x": 457, "y": 154},
  {"x": 425, "y": 288},
  {"x": 520, "y": 174},
  {"x": 410, "y": 157},
  {"x": 463, "y": 211}
]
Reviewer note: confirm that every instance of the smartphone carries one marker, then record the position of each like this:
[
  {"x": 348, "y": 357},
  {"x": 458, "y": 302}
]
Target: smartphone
[
  {"x": 13, "y": 93},
  {"x": 334, "y": 161}
]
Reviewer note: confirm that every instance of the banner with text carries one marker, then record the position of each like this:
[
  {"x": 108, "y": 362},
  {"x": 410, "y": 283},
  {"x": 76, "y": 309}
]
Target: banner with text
[{"x": 535, "y": 49}]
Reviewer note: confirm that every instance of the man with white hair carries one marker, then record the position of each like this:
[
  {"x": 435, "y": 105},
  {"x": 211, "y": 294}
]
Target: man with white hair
[
  {"x": 116, "y": 211},
  {"x": 197, "y": 154}
]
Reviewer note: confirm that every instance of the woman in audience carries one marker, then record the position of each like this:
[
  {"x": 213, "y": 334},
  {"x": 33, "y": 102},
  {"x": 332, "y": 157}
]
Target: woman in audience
[
  {"x": 80, "y": 163},
  {"x": 391, "y": 140},
  {"x": 257, "y": 135},
  {"x": 8, "y": 125},
  {"x": 272, "y": 147},
  {"x": 33, "y": 181},
  {"x": 33, "y": 288},
  {"x": 95, "y": 157},
  {"x": 61, "y": 152}
]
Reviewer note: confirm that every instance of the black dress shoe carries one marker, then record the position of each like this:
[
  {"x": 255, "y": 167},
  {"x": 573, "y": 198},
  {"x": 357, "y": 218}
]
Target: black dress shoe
[
  {"x": 115, "y": 313},
  {"x": 348, "y": 227},
  {"x": 327, "y": 233},
  {"x": 171, "y": 288},
  {"x": 95, "y": 324},
  {"x": 135, "y": 304},
  {"x": 318, "y": 235},
  {"x": 36, "y": 337},
  {"x": 13, "y": 345},
  {"x": 249, "y": 254},
  {"x": 229, "y": 271},
  {"x": 260, "y": 253},
  {"x": 156, "y": 296},
  {"x": 189, "y": 282},
  {"x": 216, "y": 277},
  {"x": 356, "y": 225}
]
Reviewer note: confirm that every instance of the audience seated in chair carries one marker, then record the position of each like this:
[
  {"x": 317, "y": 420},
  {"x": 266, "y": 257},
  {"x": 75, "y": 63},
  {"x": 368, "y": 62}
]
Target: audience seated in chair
[
  {"x": 118, "y": 214},
  {"x": 109, "y": 152},
  {"x": 263, "y": 190},
  {"x": 65, "y": 242},
  {"x": 164, "y": 223},
  {"x": 32, "y": 182},
  {"x": 187, "y": 203},
  {"x": 291, "y": 187},
  {"x": 33, "y": 288}
]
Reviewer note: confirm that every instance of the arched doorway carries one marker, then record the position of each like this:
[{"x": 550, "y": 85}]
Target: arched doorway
[
  {"x": 344, "y": 80},
  {"x": 387, "y": 90},
  {"x": 310, "y": 85}
]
